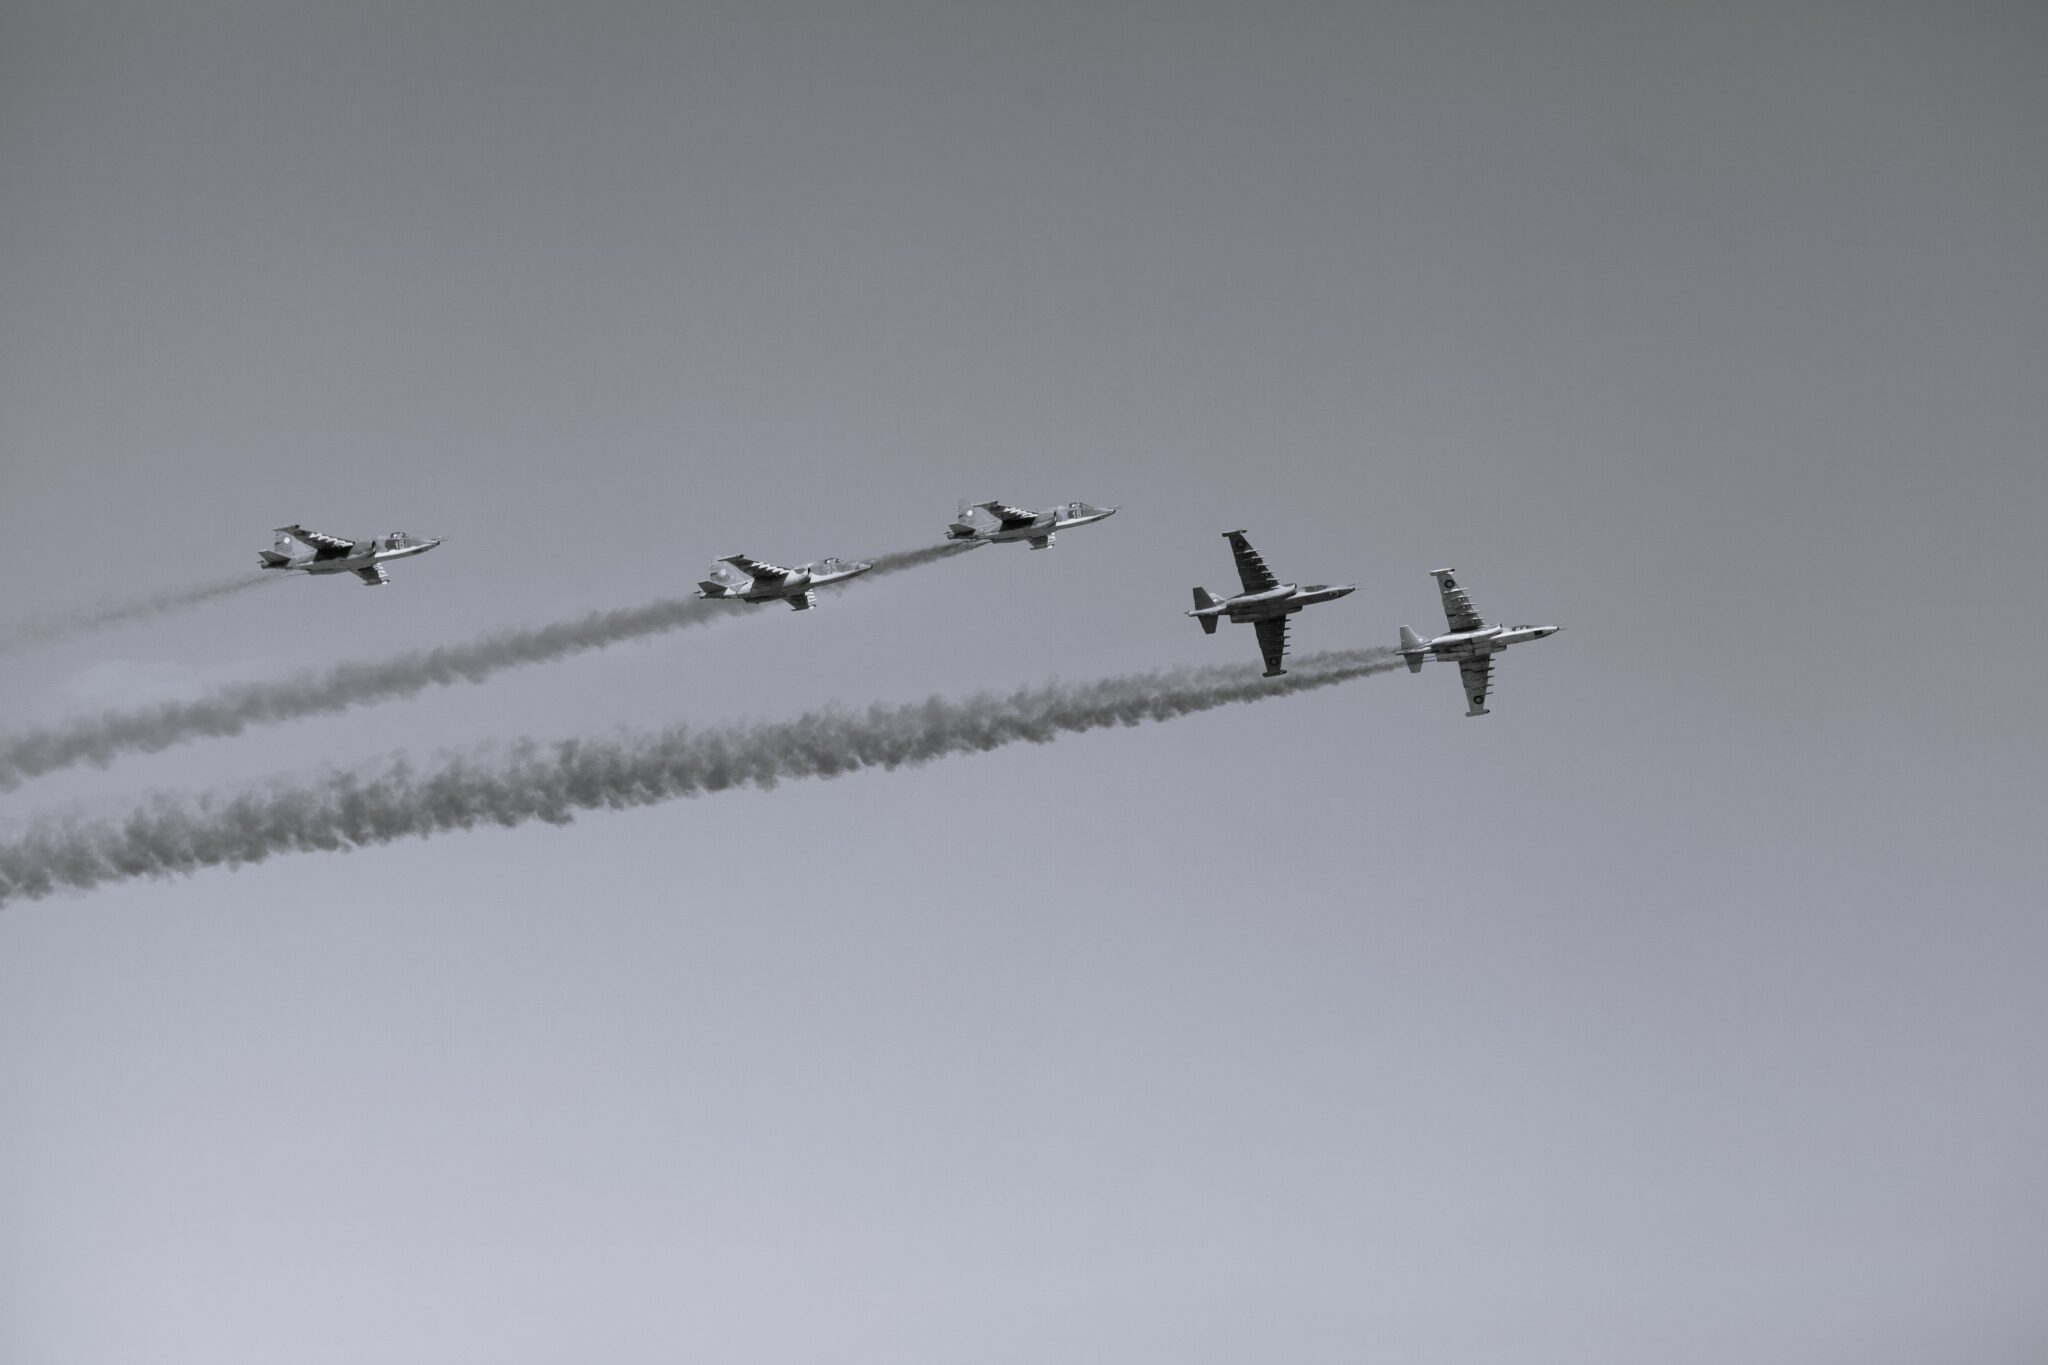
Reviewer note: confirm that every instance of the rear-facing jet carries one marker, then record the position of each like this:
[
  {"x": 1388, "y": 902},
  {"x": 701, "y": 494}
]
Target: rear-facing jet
[
  {"x": 331, "y": 554},
  {"x": 1266, "y": 602},
  {"x": 994, "y": 522},
  {"x": 1471, "y": 643},
  {"x": 753, "y": 580}
]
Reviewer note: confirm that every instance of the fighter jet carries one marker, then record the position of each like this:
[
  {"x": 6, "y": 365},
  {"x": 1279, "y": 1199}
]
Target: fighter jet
[
  {"x": 994, "y": 522},
  {"x": 751, "y": 580},
  {"x": 1472, "y": 642},
  {"x": 1266, "y": 602},
  {"x": 331, "y": 554}
]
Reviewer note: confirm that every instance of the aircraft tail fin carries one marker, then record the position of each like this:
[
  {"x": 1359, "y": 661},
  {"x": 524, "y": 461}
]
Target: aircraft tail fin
[
  {"x": 1414, "y": 649},
  {"x": 711, "y": 587},
  {"x": 1203, "y": 601},
  {"x": 273, "y": 560}
]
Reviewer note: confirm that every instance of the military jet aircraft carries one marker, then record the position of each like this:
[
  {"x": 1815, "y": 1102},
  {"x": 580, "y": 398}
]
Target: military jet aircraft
[
  {"x": 752, "y": 580},
  {"x": 1266, "y": 602},
  {"x": 994, "y": 522},
  {"x": 331, "y": 554},
  {"x": 1472, "y": 642}
]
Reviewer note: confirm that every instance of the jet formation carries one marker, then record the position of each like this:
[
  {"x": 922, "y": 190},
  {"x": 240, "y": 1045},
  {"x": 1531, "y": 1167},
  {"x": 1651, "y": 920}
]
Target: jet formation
[{"x": 1265, "y": 602}]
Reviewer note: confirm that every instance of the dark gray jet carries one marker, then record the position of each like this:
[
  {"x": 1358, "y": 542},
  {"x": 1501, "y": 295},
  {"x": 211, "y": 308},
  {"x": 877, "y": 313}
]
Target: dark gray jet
[
  {"x": 1266, "y": 602},
  {"x": 1471, "y": 643},
  {"x": 994, "y": 523},
  {"x": 331, "y": 554},
  {"x": 755, "y": 580}
]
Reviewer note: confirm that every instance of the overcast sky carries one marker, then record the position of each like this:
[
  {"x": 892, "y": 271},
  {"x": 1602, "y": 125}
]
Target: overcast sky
[{"x": 1686, "y": 1008}]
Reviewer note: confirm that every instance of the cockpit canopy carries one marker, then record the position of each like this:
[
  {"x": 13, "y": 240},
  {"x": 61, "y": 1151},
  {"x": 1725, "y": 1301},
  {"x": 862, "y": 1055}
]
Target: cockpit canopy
[{"x": 397, "y": 540}]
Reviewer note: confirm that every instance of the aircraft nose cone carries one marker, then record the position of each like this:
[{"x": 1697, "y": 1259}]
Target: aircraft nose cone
[{"x": 1346, "y": 589}]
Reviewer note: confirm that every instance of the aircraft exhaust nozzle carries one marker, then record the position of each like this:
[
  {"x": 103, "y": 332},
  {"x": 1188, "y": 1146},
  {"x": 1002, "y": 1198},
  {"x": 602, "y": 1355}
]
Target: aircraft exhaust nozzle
[{"x": 1202, "y": 604}]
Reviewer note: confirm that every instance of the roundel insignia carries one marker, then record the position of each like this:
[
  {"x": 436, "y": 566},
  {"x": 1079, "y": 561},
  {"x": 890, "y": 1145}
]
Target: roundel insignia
[{"x": 1450, "y": 582}]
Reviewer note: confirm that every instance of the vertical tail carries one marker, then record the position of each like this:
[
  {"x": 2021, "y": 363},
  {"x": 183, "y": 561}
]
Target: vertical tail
[
  {"x": 1202, "y": 603},
  {"x": 1414, "y": 649}
]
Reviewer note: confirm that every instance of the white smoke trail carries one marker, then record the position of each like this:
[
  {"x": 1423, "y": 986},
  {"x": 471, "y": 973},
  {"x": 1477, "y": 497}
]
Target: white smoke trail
[
  {"x": 51, "y": 630},
  {"x": 552, "y": 782},
  {"x": 99, "y": 739}
]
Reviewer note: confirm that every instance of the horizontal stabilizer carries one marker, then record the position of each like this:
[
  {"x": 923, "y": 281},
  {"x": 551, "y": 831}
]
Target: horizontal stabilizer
[
  {"x": 711, "y": 587},
  {"x": 273, "y": 560},
  {"x": 1202, "y": 603},
  {"x": 1414, "y": 649}
]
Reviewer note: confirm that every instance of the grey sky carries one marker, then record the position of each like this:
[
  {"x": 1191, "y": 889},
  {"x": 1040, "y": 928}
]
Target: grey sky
[{"x": 1685, "y": 1008}]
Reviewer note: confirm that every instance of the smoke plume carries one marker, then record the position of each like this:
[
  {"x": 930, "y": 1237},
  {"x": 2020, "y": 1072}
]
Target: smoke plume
[
  {"x": 229, "y": 711},
  {"x": 553, "y": 782},
  {"x": 50, "y": 630}
]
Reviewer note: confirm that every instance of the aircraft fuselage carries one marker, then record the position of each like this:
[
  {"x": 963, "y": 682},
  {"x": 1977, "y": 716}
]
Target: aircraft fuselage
[
  {"x": 1042, "y": 525},
  {"x": 1038, "y": 531},
  {"x": 1284, "y": 600},
  {"x": 352, "y": 563},
  {"x": 1473, "y": 644},
  {"x": 795, "y": 585}
]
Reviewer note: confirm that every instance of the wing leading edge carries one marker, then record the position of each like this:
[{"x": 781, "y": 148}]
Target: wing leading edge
[
  {"x": 1273, "y": 643},
  {"x": 1251, "y": 565},
  {"x": 1009, "y": 516},
  {"x": 1458, "y": 610},
  {"x": 1477, "y": 675},
  {"x": 322, "y": 545},
  {"x": 755, "y": 568}
]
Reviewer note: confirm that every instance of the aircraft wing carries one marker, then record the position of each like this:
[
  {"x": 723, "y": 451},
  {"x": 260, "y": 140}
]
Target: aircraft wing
[
  {"x": 1477, "y": 675},
  {"x": 755, "y": 568},
  {"x": 1007, "y": 515},
  {"x": 323, "y": 546},
  {"x": 1273, "y": 643},
  {"x": 1251, "y": 565},
  {"x": 1457, "y": 606},
  {"x": 375, "y": 575}
]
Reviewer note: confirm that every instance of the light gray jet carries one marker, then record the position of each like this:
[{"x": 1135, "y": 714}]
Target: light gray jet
[
  {"x": 994, "y": 522},
  {"x": 1266, "y": 602},
  {"x": 1471, "y": 643},
  {"x": 331, "y": 554},
  {"x": 752, "y": 580}
]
